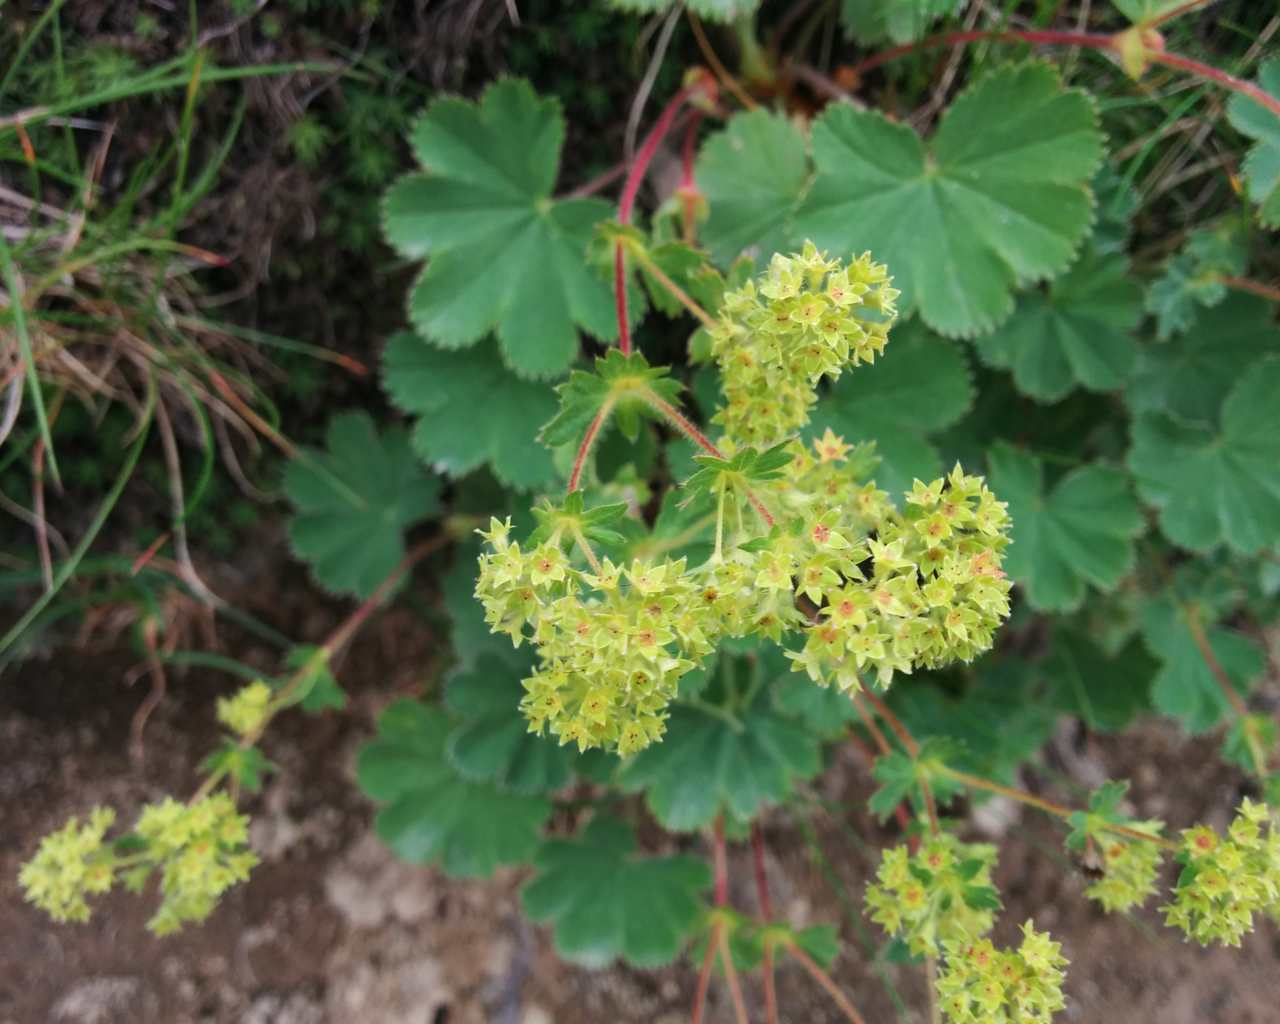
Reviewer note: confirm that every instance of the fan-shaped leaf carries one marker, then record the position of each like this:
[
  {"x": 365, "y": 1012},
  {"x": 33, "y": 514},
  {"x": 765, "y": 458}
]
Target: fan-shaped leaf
[
  {"x": 920, "y": 385},
  {"x": 1079, "y": 532},
  {"x": 503, "y": 255},
  {"x": 718, "y": 756},
  {"x": 431, "y": 815},
  {"x": 1076, "y": 332},
  {"x": 903, "y": 21},
  {"x": 493, "y": 742},
  {"x": 1189, "y": 376},
  {"x": 353, "y": 502},
  {"x": 998, "y": 197},
  {"x": 471, "y": 410},
  {"x": 1216, "y": 484},
  {"x": 1262, "y": 165},
  {"x": 606, "y": 903},
  {"x": 752, "y": 174}
]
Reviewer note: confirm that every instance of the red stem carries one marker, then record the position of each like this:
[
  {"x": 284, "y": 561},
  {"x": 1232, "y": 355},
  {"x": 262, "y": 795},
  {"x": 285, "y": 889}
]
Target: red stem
[
  {"x": 721, "y": 862},
  {"x": 766, "y": 909},
  {"x": 689, "y": 187},
  {"x": 584, "y": 449},
  {"x": 635, "y": 175},
  {"x": 704, "y": 975},
  {"x": 1089, "y": 40},
  {"x": 682, "y": 423},
  {"x": 1093, "y": 40},
  {"x": 1239, "y": 85}
]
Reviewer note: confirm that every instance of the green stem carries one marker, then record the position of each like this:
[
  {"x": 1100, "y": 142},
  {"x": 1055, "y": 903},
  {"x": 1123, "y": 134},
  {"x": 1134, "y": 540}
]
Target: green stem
[{"x": 1048, "y": 806}]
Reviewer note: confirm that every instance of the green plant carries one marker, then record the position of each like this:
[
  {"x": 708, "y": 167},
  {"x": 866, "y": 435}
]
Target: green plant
[{"x": 698, "y": 572}]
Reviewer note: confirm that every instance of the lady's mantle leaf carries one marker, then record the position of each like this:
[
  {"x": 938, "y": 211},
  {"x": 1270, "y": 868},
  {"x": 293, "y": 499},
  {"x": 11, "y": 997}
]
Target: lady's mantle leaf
[
  {"x": 1262, "y": 165},
  {"x": 903, "y": 21},
  {"x": 1000, "y": 195},
  {"x": 1189, "y": 376},
  {"x": 1080, "y": 532},
  {"x": 493, "y": 742},
  {"x": 1185, "y": 686},
  {"x": 920, "y": 385},
  {"x": 1192, "y": 278},
  {"x": 1104, "y": 691},
  {"x": 1216, "y": 484},
  {"x": 1076, "y": 332},
  {"x": 502, "y": 254},
  {"x": 605, "y": 902},
  {"x": 471, "y": 410},
  {"x": 431, "y": 814},
  {"x": 752, "y": 175},
  {"x": 717, "y": 757},
  {"x": 354, "y": 501}
]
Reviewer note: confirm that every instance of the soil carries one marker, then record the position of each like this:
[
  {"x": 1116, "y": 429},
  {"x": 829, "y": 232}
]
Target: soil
[{"x": 332, "y": 929}]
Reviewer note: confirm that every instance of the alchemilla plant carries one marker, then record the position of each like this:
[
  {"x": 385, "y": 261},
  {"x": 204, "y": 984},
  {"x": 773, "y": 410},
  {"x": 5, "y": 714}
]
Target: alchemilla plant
[{"x": 736, "y": 478}]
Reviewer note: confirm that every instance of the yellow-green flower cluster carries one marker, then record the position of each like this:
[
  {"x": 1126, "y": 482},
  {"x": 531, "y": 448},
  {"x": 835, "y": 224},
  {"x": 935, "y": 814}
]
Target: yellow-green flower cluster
[
  {"x": 71, "y": 864},
  {"x": 1129, "y": 872},
  {"x": 245, "y": 711},
  {"x": 612, "y": 643},
  {"x": 807, "y": 318},
  {"x": 1226, "y": 880},
  {"x": 935, "y": 592},
  {"x": 981, "y": 984},
  {"x": 941, "y": 894},
  {"x": 201, "y": 850}
]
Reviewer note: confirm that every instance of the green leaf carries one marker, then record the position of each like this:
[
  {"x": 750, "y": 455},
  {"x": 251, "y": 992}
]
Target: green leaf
[
  {"x": 999, "y": 196},
  {"x": 246, "y": 765},
  {"x": 1262, "y": 164},
  {"x": 826, "y": 710},
  {"x": 1245, "y": 733},
  {"x": 752, "y": 174},
  {"x": 998, "y": 718},
  {"x": 605, "y": 902},
  {"x": 899, "y": 775},
  {"x": 1139, "y": 11},
  {"x": 1215, "y": 485},
  {"x": 902, "y": 21},
  {"x": 471, "y": 410},
  {"x": 1186, "y": 686},
  {"x": 431, "y": 815},
  {"x": 617, "y": 380},
  {"x": 1105, "y": 692},
  {"x": 1117, "y": 203},
  {"x": 1193, "y": 278},
  {"x": 321, "y": 691},
  {"x": 920, "y": 385},
  {"x": 1078, "y": 332},
  {"x": 354, "y": 501},
  {"x": 503, "y": 255},
  {"x": 712, "y": 10},
  {"x": 718, "y": 757},
  {"x": 1191, "y": 375},
  {"x": 493, "y": 742},
  {"x": 1080, "y": 532}
]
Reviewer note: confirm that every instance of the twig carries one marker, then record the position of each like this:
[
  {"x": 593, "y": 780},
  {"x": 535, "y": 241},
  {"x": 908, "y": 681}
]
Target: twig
[
  {"x": 766, "y": 910},
  {"x": 646, "y": 83},
  {"x": 722, "y": 73},
  {"x": 159, "y": 686},
  {"x": 826, "y": 981}
]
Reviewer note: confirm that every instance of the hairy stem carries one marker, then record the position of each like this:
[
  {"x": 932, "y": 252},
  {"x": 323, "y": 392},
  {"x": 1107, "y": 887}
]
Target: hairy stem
[
  {"x": 826, "y": 981},
  {"x": 1048, "y": 806},
  {"x": 912, "y": 747},
  {"x": 676, "y": 292},
  {"x": 704, "y": 975},
  {"x": 1196, "y": 628},
  {"x": 588, "y": 439},
  {"x": 682, "y": 423},
  {"x": 630, "y": 188},
  {"x": 1244, "y": 284},
  {"x": 688, "y": 187},
  {"x": 1091, "y": 41}
]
